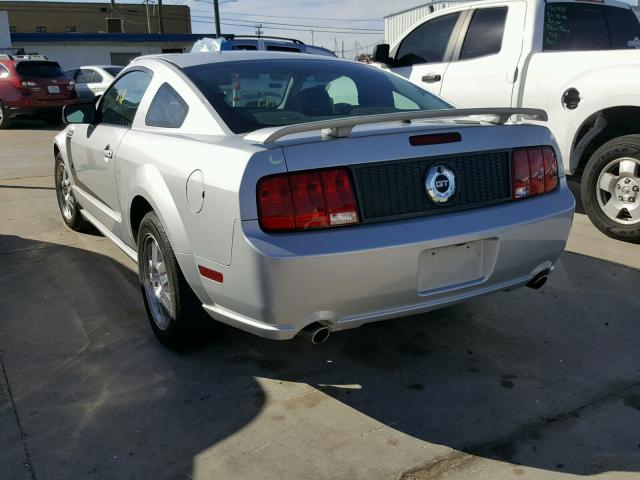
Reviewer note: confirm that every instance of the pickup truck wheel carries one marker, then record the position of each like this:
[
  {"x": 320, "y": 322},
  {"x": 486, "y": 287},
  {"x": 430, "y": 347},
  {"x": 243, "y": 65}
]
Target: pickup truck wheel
[
  {"x": 611, "y": 188},
  {"x": 5, "y": 121},
  {"x": 173, "y": 309},
  {"x": 69, "y": 208}
]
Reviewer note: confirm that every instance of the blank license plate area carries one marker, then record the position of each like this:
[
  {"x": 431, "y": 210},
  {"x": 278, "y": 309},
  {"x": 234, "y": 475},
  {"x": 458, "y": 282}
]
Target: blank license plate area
[
  {"x": 53, "y": 89},
  {"x": 450, "y": 267}
]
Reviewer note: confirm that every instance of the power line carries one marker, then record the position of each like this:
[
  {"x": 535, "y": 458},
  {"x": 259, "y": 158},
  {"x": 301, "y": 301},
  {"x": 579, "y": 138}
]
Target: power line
[
  {"x": 195, "y": 19},
  {"x": 251, "y": 22},
  {"x": 299, "y": 18}
]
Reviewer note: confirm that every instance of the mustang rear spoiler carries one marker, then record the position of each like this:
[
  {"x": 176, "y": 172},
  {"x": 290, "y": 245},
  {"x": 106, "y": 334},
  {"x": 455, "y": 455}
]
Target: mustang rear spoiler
[{"x": 342, "y": 127}]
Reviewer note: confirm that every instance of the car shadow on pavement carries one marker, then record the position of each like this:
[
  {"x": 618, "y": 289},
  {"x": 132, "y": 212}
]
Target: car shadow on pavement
[{"x": 547, "y": 379}]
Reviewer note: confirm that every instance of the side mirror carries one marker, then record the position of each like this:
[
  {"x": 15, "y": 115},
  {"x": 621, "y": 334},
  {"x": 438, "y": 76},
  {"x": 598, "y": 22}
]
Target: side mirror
[
  {"x": 381, "y": 53},
  {"x": 79, "y": 113}
]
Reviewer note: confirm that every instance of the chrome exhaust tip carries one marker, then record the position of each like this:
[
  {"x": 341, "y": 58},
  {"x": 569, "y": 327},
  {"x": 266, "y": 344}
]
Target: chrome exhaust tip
[
  {"x": 539, "y": 280},
  {"x": 316, "y": 333}
]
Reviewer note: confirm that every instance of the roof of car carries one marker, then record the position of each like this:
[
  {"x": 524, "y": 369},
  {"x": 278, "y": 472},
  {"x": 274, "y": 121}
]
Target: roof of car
[{"x": 184, "y": 60}]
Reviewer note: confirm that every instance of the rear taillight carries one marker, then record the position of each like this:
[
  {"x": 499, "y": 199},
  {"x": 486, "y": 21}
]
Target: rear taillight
[
  {"x": 71, "y": 85},
  {"x": 305, "y": 200},
  {"x": 534, "y": 171}
]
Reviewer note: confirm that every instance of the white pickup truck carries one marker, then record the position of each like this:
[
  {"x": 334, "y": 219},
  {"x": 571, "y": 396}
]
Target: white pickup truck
[{"x": 577, "y": 60}]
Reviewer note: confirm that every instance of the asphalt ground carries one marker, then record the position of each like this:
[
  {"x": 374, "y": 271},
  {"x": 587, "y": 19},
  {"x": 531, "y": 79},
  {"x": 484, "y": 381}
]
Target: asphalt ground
[{"x": 523, "y": 385}]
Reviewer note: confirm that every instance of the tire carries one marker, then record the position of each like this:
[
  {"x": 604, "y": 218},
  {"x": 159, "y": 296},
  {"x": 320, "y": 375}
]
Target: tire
[
  {"x": 69, "y": 207},
  {"x": 176, "y": 318},
  {"x": 611, "y": 188},
  {"x": 5, "y": 121}
]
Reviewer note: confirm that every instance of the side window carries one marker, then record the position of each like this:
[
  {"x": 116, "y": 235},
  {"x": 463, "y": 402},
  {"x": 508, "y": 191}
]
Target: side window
[
  {"x": 427, "y": 43},
  {"x": 120, "y": 102},
  {"x": 167, "y": 109},
  {"x": 484, "y": 36},
  {"x": 343, "y": 90},
  {"x": 575, "y": 26},
  {"x": 97, "y": 78},
  {"x": 84, "y": 76}
]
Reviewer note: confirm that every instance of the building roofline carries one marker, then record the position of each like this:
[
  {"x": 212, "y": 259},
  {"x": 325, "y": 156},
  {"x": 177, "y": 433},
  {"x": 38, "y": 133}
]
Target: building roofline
[{"x": 105, "y": 37}]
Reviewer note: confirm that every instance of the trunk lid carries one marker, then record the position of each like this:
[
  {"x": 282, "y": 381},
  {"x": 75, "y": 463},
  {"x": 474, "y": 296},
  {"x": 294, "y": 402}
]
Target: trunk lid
[{"x": 390, "y": 175}]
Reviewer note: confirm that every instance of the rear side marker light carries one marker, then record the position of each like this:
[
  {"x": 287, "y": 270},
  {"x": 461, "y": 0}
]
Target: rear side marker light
[
  {"x": 435, "y": 139},
  {"x": 211, "y": 274},
  {"x": 534, "y": 171},
  {"x": 306, "y": 200}
]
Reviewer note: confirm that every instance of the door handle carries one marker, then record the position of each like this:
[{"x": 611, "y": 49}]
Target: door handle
[
  {"x": 432, "y": 77},
  {"x": 107, "y": 152}
]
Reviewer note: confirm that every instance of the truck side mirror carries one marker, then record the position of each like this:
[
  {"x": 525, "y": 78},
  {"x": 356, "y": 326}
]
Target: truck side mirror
[{"x": 381, "y": 54}]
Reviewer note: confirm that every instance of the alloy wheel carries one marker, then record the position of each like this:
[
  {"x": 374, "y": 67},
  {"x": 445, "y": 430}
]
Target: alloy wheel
[
  {"x": 65, "y": 194},
  {"x": 156, "y": 283},
  {"x": 618, "y": 190}
]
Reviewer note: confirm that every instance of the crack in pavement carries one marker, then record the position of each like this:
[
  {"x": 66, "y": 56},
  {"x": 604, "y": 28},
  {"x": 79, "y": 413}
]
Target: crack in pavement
[
  {"x": 23, "y": 435},
  {"x": 438, "y": 466}
]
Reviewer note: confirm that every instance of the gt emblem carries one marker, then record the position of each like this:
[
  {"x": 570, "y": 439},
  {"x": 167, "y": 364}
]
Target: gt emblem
[{"x": 440, "y": 184}]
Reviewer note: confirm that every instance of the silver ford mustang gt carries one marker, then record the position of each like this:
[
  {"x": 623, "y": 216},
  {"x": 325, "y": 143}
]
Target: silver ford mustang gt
[{"x": 285, "y": 194}]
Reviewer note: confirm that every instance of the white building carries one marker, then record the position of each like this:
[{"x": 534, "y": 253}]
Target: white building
[
  {"x": 395, "y": 24},
  {"x": 71, "y": 50}
]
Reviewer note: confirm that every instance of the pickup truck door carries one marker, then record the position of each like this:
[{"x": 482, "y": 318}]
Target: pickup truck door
[
  {"x": 93, "y": 149},
  {"x": 423, "y": 54},
  {"x": 484, "y": 65}
]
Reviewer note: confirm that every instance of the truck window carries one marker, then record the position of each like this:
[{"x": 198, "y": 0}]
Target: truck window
[
  {"x": 624, "y": 27},
  {"x": 579, "y": 26},
  {"x": 427, "y": 43},
  {"x": 484, "y": 36}
]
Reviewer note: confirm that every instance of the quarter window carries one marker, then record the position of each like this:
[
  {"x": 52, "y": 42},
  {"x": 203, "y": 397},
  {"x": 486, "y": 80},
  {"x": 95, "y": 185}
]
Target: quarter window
[
  {"x": 579, "y": 26},
  {"x": 167, "y": 109},
  {"x": 427, "y": 43},
  {"x": 4, "y": 72},
  {"x": 121, "y": 101},
  {"x": 484, "y": 36}
]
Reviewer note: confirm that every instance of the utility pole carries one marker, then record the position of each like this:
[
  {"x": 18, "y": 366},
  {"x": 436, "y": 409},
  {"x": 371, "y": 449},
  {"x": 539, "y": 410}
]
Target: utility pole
[
  {"x": 312, "y": 42},
  {"x": 216, "y": 13},
  {"x": 146, "y": 4},
  {"x": 160, "y": 20},
  {"x": 259, "y": 31},
  {"x": 342, "y": 48}
]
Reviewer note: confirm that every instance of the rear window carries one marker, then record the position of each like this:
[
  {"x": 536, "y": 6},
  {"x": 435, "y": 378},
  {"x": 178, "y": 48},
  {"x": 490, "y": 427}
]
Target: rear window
[
  {"x": 579, "y": 26},
  {"x": 39, "y": 69},
  {"x": 281, "y": 48},
  {"x": 266, "y": 93}
]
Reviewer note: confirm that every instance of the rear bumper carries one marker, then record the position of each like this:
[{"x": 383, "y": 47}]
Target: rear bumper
[
  {"x": 30, "y": 107},
  {"x": 345, "y": 277}
]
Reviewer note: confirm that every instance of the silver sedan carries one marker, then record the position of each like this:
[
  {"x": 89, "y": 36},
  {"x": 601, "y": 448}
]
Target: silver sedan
[{"x": 288, "y": 194}]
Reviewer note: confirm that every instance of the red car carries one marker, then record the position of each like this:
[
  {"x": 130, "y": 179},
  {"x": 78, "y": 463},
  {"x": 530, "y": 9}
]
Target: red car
[{"x": 33, "y": 88}]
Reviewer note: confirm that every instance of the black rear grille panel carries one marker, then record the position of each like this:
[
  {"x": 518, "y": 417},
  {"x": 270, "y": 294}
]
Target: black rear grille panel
[{"x": 396, "y": 189}]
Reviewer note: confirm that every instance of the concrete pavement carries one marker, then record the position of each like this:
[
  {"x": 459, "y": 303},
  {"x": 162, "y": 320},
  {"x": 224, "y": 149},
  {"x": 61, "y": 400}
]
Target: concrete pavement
[{"x": 524, "y": 385}]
